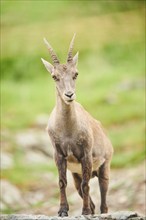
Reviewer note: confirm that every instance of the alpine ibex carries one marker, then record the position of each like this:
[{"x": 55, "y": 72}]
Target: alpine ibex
[{"x": 78, "y": 139}]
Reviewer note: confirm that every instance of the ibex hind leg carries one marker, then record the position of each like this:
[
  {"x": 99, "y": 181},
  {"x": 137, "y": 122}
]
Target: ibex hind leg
[
  {"x": 103, "y": 177},
  {"x": 77, "y": 181}
]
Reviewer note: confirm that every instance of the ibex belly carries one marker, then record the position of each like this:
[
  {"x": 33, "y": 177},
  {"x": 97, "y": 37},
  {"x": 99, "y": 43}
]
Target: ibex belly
[{"x": 75, "y": 167}]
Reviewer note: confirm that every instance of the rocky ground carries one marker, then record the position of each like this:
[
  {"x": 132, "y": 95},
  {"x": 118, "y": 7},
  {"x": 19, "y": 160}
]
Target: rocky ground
[
  {"x": 123, "y": 215},
  {"x": 126, "y": 190}
]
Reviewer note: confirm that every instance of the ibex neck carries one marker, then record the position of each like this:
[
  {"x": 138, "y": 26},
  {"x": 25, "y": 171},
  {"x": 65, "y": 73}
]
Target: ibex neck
[
  {"x": 64, "y": 109},
  {"x": 66, "y": 115}
]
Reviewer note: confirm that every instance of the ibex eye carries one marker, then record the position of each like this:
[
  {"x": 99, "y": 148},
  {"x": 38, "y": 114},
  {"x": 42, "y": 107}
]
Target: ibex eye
[
  {"x": 75, "y": 76},
  {"x": 55, "y": 78}
]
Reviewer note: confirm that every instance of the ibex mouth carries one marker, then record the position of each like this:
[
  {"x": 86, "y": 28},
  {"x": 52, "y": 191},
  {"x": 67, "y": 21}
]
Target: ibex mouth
[{"x": 70, "y": 100}]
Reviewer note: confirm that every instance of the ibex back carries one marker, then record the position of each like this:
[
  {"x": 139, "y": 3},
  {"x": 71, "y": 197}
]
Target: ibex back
[{"x": 78, "y": 139}]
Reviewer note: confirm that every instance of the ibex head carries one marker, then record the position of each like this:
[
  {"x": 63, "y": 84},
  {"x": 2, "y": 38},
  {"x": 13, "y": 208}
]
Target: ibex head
[{"x": 63, "y": 74}]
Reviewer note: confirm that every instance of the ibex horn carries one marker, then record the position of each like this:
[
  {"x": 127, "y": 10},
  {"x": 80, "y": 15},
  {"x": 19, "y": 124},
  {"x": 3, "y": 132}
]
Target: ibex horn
[
  {"x": 52, "y": 53},
  {"x": 70, "y": 57}
]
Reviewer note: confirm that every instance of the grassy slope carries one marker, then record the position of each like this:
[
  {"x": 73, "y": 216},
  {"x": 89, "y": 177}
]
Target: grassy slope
[{"x": 110, "y": 39}]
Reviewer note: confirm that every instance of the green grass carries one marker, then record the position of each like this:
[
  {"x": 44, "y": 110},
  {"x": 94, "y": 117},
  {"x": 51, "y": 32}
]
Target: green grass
[
  {"x": 110, "y": 39},
  {"x": 41, "y": 11},
  {"x": 23, "y": 101}
]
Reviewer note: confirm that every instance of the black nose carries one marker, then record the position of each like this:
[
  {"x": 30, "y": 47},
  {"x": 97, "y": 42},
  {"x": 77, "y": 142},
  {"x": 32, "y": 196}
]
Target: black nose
[{"x": 69, "y": 94}]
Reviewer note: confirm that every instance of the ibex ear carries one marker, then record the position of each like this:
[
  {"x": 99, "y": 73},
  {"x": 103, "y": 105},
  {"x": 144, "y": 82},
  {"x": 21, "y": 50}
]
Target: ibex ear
[
  {"x": 48, "y": 65},
  {"x": 75, "y": 59}
]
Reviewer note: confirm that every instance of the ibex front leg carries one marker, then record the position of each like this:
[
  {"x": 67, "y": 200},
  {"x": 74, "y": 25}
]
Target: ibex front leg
[
  {"x": 62, "y": 166},
  {"x": 86, "y": 175}
]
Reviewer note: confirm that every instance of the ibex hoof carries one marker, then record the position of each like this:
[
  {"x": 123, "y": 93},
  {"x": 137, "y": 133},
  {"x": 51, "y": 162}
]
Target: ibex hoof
[
  {"x": 104, "y": 209},
  {"x": 62, "y": 213},
  {"x": 86, "y": 212}
]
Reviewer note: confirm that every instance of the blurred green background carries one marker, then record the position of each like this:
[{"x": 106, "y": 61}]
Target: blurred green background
[{"x": 110, "y": 38}]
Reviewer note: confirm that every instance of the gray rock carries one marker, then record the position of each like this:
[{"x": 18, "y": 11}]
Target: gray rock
[
  {"x": 11, "y": 196},
  {"x": 34, "y": 198},
  {"x": 35, "y": 140},
  {"x": 35, "y": 157},
  {"x": 122, "y": 215},
  {"x": 6, "y": 160},
  {"x": 42, "y": 120}
]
